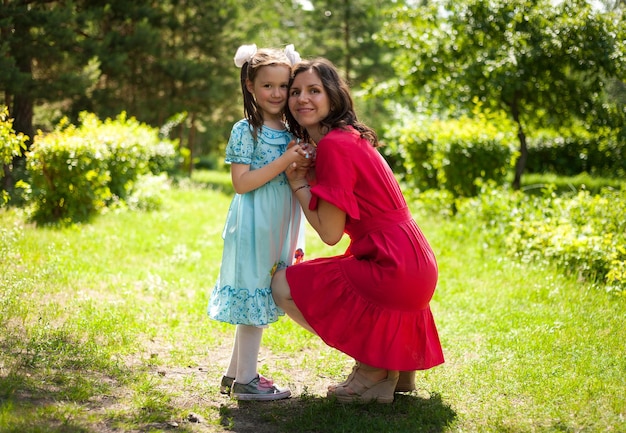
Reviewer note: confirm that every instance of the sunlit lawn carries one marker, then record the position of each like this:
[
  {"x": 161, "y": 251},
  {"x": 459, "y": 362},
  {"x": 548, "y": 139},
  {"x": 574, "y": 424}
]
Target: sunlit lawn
[{"x": 103, "y": 327}]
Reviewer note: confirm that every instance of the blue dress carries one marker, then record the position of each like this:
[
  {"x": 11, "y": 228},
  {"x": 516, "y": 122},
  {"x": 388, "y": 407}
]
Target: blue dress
[{"x": 260, "y": 235}]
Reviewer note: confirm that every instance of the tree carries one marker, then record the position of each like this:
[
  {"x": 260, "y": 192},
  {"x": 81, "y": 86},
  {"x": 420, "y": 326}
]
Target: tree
[
  {"x": 342, "y": 31},
  {"x": 543, "y": 64},
  {"x": 39, "y": 42},
  {"x": 152, "y": 60},
  {"x": 170, "y": 59}
]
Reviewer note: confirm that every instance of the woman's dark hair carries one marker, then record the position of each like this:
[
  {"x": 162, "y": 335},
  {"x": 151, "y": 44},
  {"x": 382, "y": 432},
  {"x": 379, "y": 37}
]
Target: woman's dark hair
[{"x": 342, "y": 112}]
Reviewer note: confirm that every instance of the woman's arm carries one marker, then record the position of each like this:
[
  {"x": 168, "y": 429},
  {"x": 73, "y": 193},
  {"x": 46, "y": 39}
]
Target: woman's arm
[{"x": 328, "y": 220}]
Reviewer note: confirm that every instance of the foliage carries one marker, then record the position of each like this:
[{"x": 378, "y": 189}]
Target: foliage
[
  {"x": 576, "y": 150},
  {"x": 543, "y": 64},
  {"x": 535, "y": 183},
  {"x": 454, "y": 154},
  {"x": 585, "y": 235},
  {"x": 150, "y": 59},
  {"x": 77, "y": 171},
  {"x": 156, "y": 59},
  {"x": 11, "y": 145}
]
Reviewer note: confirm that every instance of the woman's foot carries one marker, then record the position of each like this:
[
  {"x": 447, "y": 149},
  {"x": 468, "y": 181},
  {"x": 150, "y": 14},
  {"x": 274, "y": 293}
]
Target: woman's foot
[
  {"x": 355, "y": 367},
  {"x": 367, "y": 384},
  {"x": 406, "y": 380}
]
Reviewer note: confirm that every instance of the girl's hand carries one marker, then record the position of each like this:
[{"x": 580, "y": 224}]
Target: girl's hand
[
  {"x": 297, "y": 153},
  {"x": 301, "y": 170},
  {"x": 307, "y": 149}
]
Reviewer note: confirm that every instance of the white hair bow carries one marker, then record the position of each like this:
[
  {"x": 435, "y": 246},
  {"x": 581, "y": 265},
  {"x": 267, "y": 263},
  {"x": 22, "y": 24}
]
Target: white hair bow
[
  {"x": 292, "y": 54},
  {"x": 244, "y": 54}
]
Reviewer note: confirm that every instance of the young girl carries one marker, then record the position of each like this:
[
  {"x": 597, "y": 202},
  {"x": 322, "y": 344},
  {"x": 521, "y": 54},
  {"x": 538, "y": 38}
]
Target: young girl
[{"x": 263, "y": 221}]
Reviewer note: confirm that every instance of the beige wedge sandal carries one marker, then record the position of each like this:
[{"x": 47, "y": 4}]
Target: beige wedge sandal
[
  {"x": 358, "y": 388},
  {"x": 406, "y": 380}
]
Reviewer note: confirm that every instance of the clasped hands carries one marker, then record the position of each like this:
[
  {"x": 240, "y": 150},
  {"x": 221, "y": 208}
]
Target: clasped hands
[{"x": 301, "y": 172}]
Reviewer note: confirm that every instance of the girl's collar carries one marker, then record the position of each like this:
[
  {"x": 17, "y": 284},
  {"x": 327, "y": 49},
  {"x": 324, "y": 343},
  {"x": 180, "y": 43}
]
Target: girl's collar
[{"x": 275, "y": 126}]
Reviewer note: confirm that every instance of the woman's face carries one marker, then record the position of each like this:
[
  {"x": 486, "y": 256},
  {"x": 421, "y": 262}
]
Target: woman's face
[{"x": 308, "y": 101}]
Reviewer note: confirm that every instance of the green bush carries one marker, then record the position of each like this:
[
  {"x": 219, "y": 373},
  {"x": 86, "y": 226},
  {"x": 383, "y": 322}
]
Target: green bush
[
  {"x": 134, "y": 149},
  {"x": 458, "y": 155},
  {"x": 576, "y": 151},
  {"x": 77, "y": 171},
  {"x": 534, "y": 183},
  {"x": 584, "y": 234},
  {"x": 69, "y": 175},
  {"x": 11, "y": 145}
]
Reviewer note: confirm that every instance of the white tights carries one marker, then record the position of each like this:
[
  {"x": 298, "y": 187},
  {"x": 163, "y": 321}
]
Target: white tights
[{"x": 243, "y": 360}]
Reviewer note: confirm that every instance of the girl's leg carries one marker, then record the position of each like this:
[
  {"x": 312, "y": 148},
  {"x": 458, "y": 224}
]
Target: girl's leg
[
  {"x": 231, "y": 371},
  {"x": 249, "y": 385},
  {"x": 281, "y": 292},
  {"x": 248, "y": 345},
  {"x": 229, "y": 376}
]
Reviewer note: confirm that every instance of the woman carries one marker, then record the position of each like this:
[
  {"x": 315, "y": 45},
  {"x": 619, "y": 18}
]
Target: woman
[{"x": 372, "y": 302}]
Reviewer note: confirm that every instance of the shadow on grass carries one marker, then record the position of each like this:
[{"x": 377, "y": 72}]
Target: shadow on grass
[
  {"x": 29, "y": 405},
  {"x": 55, "y": 383},
  {"x": 312, "y": 414}
]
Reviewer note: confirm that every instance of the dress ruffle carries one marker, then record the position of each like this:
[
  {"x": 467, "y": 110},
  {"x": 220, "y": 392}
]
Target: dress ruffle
[
  {"x": 378, "y": 336},
  {"x": 241, "y": 306}
]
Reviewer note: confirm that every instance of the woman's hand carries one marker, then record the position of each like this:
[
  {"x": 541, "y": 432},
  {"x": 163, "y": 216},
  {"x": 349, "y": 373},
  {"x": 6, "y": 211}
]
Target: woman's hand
[
  {"x": 297, "y": 175},
  {"x": 299, "y": 170}
]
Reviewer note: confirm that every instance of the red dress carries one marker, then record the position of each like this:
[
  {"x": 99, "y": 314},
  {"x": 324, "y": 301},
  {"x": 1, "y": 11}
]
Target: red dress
[{"x": 372, "y": 302}]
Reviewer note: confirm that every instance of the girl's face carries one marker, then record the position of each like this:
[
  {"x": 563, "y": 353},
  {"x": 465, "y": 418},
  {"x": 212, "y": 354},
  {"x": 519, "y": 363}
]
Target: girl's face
[
  {"x": 308, "y": 101},
  {"x": 270, "y": 89}
]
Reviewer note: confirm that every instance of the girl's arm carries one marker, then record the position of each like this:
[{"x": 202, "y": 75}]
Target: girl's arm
[{"x": 246, "y": 180}]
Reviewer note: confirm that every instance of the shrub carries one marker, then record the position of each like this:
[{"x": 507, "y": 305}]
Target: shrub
[
  {"x": 69, "y": 175},
  {"x": 134, "y": 149},
  {"x": 576, "y": 151},
  {"x": 584, "y": 235},
  {"x": 458, "y": 155},
  {"x": 76, "y": 171}
]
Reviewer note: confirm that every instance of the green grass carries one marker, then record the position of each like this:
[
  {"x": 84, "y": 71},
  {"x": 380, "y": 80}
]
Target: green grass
[{"x": 103, "y": 327}]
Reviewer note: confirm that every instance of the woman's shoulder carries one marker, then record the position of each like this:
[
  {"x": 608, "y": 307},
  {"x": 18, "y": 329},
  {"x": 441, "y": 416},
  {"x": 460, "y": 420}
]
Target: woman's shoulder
[
  {"x": 341, "y": 136},
  {"x": 342, "y": 140}
]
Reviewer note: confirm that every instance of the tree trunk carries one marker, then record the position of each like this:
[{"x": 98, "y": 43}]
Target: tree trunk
[
  {"x": 7, "y": 178},
  {"x": 520, "y": 164},
  {"x": 22, "y": 114},
  {"x": 22, "y": 111},
  {"x": 192, "y": 141}
]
